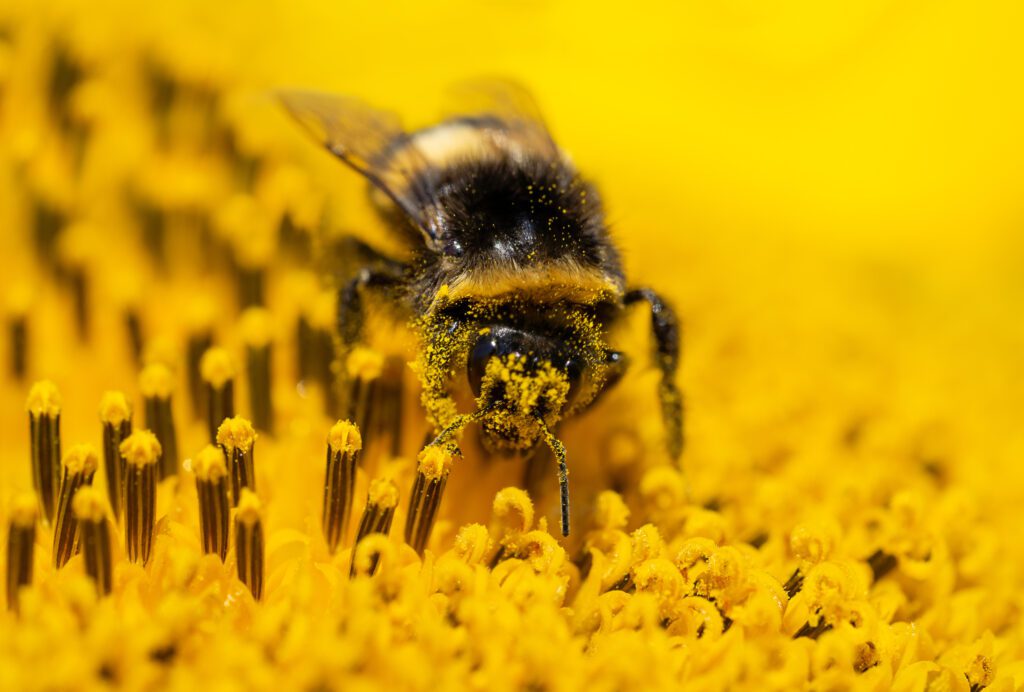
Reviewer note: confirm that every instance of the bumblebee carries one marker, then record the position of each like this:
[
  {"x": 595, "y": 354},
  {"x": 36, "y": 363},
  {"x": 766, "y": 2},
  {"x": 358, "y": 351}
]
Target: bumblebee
[{"x": 514, "y": 278}]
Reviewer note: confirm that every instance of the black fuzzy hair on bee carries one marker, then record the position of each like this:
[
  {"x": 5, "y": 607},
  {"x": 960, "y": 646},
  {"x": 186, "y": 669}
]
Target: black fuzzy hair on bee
[{"x": 529, "y": 210}]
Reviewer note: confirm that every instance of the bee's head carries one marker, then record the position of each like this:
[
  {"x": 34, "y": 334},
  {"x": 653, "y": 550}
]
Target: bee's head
[{"x": 524, "y": 380}]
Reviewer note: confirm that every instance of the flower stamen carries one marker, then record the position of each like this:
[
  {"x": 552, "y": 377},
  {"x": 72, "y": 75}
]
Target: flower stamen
[
  {"x": 881, "y": 563},
  {"x": 116, "y": 417},
  {"x": 141, "y": 453},
  {"x": 44, "y": 427},
  {"x": 344, "y": 444},
  {"x": 381, "y": 417},
  {"x": 363, "y": 369},
  {"x": 218, "y": 372},
  {"x": 388, "y": 409},
  {"x": 316, "y": 348},
  {"x": 435, "y": 463},
  {"x": 211, "y": 473},
  {"x": 79, "y": 468},
  {"x": 249, "y": 545},
  {"x": 378, "y": 514},
  {"x": 133, "y": 326},
  {"x": 794, "y": 583},
  {"x": 251, "y": 277},
  {"x": 79, "y": 281},
  {"x": 21, "y": 543},
  {"x": 157, "y": 385},
  {"x": 812, "y": 631},
  {"x": 94, "y": 528},
  {"x": 17, "y": 329},
  {"x": 199, "y": 342},
  {"x": 257, "y": 334},
  {"x": 236, "y": 438}
]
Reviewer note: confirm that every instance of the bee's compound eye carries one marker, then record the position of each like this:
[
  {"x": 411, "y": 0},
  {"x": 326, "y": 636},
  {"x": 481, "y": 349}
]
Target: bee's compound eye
[{"x": 476, "y": 364}]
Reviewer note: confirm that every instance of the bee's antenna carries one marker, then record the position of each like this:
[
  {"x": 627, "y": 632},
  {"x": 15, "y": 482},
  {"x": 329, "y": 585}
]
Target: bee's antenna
[
  {"x": 558, "y": 449},
  {"x": 458, "y": 424}
]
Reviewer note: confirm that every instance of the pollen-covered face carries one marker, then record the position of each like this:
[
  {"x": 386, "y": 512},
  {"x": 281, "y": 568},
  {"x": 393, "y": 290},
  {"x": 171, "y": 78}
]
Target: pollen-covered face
[
  {"x": 517, "y": 397},
  {"x": 523, "y": 382},
  {"x": 527, "y": 366}
]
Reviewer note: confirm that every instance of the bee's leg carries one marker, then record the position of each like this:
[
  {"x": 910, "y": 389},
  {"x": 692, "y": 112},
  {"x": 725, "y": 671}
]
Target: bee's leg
[{"x": 665, "y": 328}]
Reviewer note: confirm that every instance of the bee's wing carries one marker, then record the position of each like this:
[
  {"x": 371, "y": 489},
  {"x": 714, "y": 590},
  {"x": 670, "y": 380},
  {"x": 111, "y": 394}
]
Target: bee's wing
[
  {"x": 365, "y": 138},
  {"x": 353, "y": 131},
  {"x": 508, "y": 105}
]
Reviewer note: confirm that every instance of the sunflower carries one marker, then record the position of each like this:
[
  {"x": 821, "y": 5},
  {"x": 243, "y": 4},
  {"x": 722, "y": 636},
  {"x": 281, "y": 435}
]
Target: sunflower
[{"x": 190, "y": 499}]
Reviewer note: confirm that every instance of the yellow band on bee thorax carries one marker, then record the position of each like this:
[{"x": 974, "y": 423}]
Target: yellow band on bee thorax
[{"x": 544, "y": 283}]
